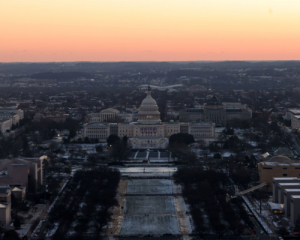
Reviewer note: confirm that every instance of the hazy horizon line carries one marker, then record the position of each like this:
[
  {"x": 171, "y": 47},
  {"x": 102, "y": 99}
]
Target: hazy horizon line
[{"x": 192, "y": 61}]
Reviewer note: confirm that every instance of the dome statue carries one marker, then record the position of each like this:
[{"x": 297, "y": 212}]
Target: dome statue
[{"x": 149, "y": 113}]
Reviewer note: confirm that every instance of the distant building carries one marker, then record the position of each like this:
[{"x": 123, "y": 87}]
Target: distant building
[
  {"x": 5, "y": 193},
  {"x": 216, "y": 112},
  {"x": 16, "y": 102},
  {"x": 292, "y": 112},
  {"x": 106, "y": 115},
  {"x": 22, "y": 172},
  {"x": 200, "y": 131},
  {"x": 97, "y": 130},
  {"x": 5, "y": 124},
  {"x": 287, "y": 199},
  {"x": 279, "y": 166},
  {"x": 197, "y": 88},
  {"x": 144, "y": 87},
  {"x": 14, "y": 117},
  {"x": 277, "y": 181},
  {"x": 19, "y": 193},
  {"x": 283, "y": 186},
  {"x": 5, "y": 205},
  {"x": 286, "y": 195},
  {"x": 20, "y": 112},
  {"x": 109, "y": 115},
  {"x": 5, "y": 214},
  {"x": 295, "y": 122},
  {"x": 295, "y": 209},
  {"x": 148, "y": 131},
  {"x": 53, "y": 116}
]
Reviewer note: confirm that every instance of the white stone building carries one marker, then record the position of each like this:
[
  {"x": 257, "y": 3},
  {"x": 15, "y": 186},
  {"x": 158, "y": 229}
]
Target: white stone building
[
  {"x": 292, "y": 112},
  {"x": 15, "y": 118},
  {"x": 109, "y": 115},
  {"x": 148, "y": 131},
  {"x": 295, "y": 121},
  {"x": 5, "y": 214},
  {"x": 5, "y": 124},
  {"x": 202, "y": 130},
  {"x": 97, "y": 130},
  {"x": 106, "y": 115},
  {"x": 217, "y": 112},
  {"x": 20, "y": 112}
]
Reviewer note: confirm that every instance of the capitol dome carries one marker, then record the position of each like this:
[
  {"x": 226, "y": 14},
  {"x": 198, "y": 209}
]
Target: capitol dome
[
  {"x": 149, "y": 113},
  {"x": 149, "y": 100}
]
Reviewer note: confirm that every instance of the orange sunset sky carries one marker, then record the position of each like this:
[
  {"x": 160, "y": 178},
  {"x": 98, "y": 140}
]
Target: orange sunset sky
[{"x": 149, "y": 30}]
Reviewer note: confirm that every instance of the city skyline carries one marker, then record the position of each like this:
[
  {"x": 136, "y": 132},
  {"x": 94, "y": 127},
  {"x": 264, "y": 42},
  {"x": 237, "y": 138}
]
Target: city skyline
[{"x": 35, "y": 31}]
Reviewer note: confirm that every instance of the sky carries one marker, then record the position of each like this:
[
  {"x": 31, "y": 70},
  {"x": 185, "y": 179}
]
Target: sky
[{"x": 149, "y": 30}]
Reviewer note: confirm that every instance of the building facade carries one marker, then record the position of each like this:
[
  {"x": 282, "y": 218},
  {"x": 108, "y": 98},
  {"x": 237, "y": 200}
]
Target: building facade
[
  {"x": 148, "y": 131},
  {"x": 109, "y": 115},
  {"x": 23, "y": 172},
  {"x": 292, "y": 112},
  {"x": 295, "y": 122},
  {"x": 276, "y": 167},
  {"x": 217, "y": 112},
  {"x": 5, "y": 124},
  {"x": 5, "y": 214},
  {"x": 20, "y": 112},
  {"x": 14, "y": 117}
]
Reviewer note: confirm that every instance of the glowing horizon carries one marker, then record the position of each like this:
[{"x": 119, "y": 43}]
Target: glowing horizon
[{"x": 144, "y": 30}]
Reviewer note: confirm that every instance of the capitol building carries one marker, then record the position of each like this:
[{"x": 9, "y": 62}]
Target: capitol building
[{"x": 148, "y": 131}]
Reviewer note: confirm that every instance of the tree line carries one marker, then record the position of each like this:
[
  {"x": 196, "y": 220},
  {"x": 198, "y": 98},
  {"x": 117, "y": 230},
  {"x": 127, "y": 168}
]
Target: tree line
[
  {"x": 205, "y": 192},
  {"x": 87, "y": 201}
]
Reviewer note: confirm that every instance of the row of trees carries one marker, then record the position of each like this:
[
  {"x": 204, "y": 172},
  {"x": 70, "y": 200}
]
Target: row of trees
[
  {"x": 14, "y": 146},
  {"x": 203, "y": 192},
  {"x": 36, "y": 133},
  {"x": 95, "y": 191},
  {"x": 178, "y": 146},
  {"x": 119, "y": 147}
]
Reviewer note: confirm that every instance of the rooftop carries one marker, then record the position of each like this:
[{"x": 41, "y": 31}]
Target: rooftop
[
  {"x": 8, "y": 114},
  {"x": 280, "y": 159},
  {"x": 294, "y": 111},
  {"x": 279, "y": 164},
  {"x": 289, "y": 184},
  {"x": 3, "y": 205},
  {"x": 284, "y": 178},
  {"x": 295, "y": 196},
  {"x": 292, "y": 190},
  {"x": 5, "y": 120}
]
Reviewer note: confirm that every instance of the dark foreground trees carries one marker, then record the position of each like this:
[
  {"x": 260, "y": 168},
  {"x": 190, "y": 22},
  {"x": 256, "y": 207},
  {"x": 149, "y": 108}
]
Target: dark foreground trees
[
  {"x": 120, "y": 150},
  {"x": 112, "y": 139},
  {"x": 88, "y": 199},
  {"x": 205, "y": 192},
  {"x": 11, "y": 235},
  {"x": 182, "y": 138}
]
